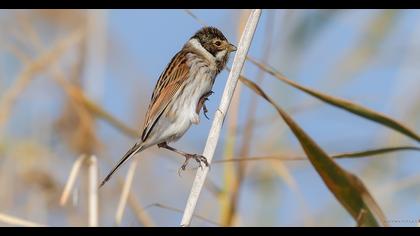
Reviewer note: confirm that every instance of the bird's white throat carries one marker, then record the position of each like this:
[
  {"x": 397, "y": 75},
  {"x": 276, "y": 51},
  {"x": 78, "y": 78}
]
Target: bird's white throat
[
  {"x": 197, "y": 45},
  {"x": 220, "y": 55}
]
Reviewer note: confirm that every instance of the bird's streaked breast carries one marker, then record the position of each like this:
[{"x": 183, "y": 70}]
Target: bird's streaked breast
[{"x": 199, "y": 82}]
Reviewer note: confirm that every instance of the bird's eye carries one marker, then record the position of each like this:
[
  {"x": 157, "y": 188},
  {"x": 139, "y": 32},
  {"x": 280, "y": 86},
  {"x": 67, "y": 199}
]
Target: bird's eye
[{"x": 218, "y": 43}]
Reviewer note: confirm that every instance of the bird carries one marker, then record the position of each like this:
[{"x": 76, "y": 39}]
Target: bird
[{"x": 180, "y": 94}]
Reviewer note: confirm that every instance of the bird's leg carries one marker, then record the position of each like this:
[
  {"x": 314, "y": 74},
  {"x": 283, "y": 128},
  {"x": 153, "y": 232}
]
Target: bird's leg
[
  {"x": 205, "y": 110},
  {"x": 198, "y": 158},
  {"x": 201, "y": 103}
]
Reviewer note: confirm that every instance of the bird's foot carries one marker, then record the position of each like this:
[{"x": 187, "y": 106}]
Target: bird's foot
[
  {"x": 198, "y": 158},
  {"x": 205, "y": 110},
  {"x": 201, "y": 103}
]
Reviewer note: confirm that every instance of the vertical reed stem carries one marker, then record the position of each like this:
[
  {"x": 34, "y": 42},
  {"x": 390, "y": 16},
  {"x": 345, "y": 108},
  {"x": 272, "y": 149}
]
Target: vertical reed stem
[
  {"x": 214, "y": 133},
  {"x": 93, "y": 191},
  {"x": 125, "y": 192},
  {"x": 74, "y": 172}
]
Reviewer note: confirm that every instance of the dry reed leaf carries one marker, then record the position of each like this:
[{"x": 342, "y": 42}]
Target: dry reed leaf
[
  {"x": 343, "y": 104},
  {"x": 359, "y": 154},
  {"x": 374, "y": 152},
  {"x": 346, "y": 187}
]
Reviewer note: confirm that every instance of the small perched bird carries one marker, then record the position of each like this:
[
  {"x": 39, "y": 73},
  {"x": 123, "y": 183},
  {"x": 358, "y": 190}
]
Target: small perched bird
[{"x": 181, "y": 92}]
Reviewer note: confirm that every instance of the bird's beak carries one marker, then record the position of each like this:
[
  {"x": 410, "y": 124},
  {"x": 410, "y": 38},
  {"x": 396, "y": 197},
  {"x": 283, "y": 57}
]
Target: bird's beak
[{"x": 231, "y": 48}]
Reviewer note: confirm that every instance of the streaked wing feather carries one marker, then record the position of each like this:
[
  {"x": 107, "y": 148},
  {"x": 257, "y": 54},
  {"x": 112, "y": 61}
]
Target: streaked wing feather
[{"x": 175, "y": 74}]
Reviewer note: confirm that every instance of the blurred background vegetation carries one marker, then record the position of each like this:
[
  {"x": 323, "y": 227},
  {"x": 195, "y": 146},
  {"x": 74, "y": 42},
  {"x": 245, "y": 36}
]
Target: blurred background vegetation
[{"x": 78, "y": 82}]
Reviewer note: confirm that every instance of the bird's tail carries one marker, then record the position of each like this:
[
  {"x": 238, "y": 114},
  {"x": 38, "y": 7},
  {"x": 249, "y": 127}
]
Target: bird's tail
[{"x": 134, "y": 150}]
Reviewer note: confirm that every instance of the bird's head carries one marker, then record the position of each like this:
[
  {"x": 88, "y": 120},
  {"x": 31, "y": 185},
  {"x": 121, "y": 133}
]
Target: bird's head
[{"x": 214, "y": 42}]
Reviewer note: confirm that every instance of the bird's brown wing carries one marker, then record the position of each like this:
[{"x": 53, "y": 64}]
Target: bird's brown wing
[{"x": 171, "y": 80}]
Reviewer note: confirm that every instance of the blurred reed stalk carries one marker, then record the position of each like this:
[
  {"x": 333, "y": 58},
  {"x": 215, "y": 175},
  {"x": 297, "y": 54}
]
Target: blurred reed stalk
[
  {"x": 125, "y": 192},
  {"x": 93, "y": 191},
  {"x": 230, "y": 140},
  {"x": 92, "y": 163},
  {"x": 96, "y": 40},
  {"x": 18, "y": 221},
  {"x": 159, "y": 205},
  {"x": 214, "y": 133},
  {"x": 74, "y": 172},
  {"x": 234, "y": 177}
]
